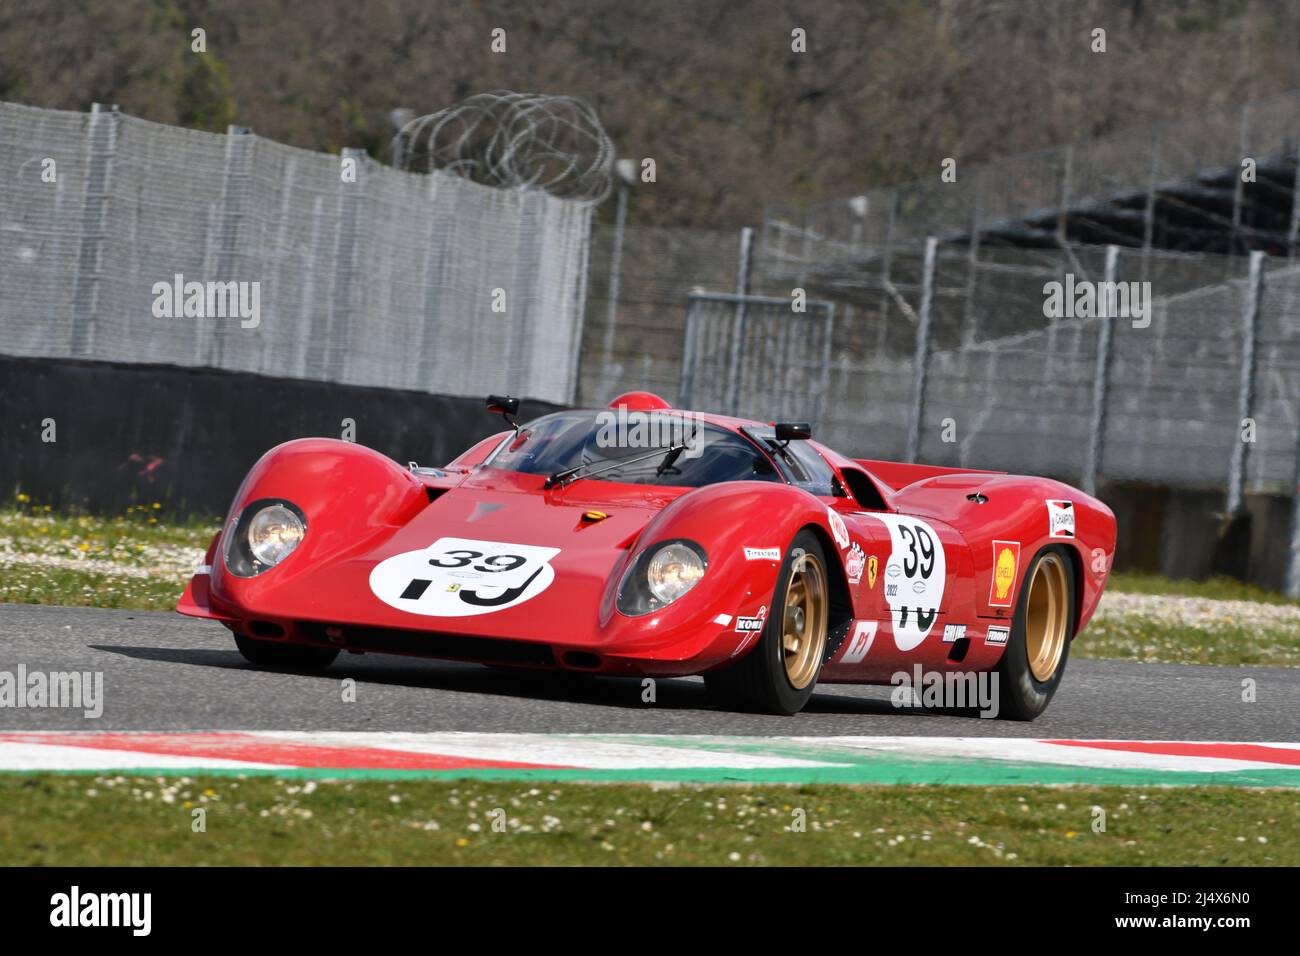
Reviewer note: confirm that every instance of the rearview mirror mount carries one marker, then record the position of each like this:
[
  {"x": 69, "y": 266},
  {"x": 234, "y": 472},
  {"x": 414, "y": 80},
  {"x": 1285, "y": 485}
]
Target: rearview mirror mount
[{"x": 506, "y": 407}]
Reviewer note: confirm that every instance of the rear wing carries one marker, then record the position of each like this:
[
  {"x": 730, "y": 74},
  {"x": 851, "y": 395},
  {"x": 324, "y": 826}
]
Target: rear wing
[{"x": 900, "y": 474}]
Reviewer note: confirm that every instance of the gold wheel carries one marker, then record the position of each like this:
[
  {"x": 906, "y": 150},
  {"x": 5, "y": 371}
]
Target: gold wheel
[
  {"x": 803, "y": 620},
  {"x": 1047, "y": 617}
]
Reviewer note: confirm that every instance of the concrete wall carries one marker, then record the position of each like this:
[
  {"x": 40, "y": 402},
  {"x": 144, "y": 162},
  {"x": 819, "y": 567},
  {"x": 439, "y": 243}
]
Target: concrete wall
[{"x": 128, "y": 434}]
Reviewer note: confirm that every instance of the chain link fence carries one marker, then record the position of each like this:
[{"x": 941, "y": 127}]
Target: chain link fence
[{"x": 384, "y": 278}]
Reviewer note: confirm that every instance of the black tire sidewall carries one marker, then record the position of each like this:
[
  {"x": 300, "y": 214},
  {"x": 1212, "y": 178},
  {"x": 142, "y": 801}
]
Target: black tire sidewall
[
  {"x": 1023, "y": 696},
  {"x": 771, "y": 651}
]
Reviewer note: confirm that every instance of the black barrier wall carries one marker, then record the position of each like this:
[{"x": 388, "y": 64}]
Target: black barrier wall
[{"x": 132, "y": 434}]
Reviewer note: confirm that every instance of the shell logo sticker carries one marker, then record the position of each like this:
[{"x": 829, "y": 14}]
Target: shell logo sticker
[
  {"x": 1006, "y": 562},
  {"x": 461, "y": 577}
]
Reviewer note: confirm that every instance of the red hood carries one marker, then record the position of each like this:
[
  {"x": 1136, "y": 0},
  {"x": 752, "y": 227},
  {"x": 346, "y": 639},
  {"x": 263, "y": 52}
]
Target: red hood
[{"x": 489, "y": 506}]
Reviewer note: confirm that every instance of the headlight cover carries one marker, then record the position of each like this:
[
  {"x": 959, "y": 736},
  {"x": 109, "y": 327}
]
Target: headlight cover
[
  {"x": 660, "y": 575},
  {"x": 267, "y": 532}
]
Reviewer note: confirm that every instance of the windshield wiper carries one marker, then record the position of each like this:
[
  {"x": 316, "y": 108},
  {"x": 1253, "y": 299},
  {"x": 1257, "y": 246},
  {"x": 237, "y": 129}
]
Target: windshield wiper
[{"x": 569, "y": 475}]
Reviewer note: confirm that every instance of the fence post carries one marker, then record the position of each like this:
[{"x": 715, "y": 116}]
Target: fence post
[
  {"x": 686, "y": 390},
  {"x": 738, "y": 323},
  {"x": 615, "y": 276},
  {"x": 101, "y": 150},
  {"x": 1293, "y": 565},
  {"x": 1246, "y": 391},
  {"x": 1101, "y": 378},
  {"x": 921, "y": 360},
  {"x": 234, "y": 183},
  {"x": 351, "y": 199}
]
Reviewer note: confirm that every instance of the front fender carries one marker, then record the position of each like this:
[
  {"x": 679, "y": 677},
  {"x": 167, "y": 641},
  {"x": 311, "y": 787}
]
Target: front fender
[
  {"x": 725, "y": 520},
  {"x": 351, "y": 496}
]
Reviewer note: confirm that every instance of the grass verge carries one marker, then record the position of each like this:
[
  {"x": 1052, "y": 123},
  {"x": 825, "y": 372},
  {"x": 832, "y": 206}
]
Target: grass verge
[{"x": 60, "y": 820}]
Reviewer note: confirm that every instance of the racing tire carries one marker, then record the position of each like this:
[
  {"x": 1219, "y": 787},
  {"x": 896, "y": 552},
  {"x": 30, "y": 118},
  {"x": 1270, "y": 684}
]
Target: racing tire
[
  {"x": 299, "y": 658},
  {"x": 778, "y": 675},
  {"x": 1041, "y": 631}
]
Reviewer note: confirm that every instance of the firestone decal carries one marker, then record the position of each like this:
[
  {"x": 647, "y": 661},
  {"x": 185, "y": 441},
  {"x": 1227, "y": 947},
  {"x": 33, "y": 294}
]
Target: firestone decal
[
  {"x": 1006, "y": 562},
  {"x": 462, "y": 577},
  {"x": 762, "y": 554},
  {"x": 838, "y": 530},
  {"x": 1060, "y": 518},
  {"x": 916, "y": 560}
]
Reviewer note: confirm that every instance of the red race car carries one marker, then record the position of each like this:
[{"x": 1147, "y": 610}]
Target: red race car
[{"x": 648, "y": 541}]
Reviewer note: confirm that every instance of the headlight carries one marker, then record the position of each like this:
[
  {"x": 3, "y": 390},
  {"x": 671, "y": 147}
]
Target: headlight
[
  {"x": 273, "y": 533},
  {"x": 673, "y": 571},
  {"x": 265, "y": 533},
  {"x": 660, "y": 575}
]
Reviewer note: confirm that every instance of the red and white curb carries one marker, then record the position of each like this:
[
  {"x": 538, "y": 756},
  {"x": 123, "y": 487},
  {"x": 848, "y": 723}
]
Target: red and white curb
[{"x": 973, "y": 760}]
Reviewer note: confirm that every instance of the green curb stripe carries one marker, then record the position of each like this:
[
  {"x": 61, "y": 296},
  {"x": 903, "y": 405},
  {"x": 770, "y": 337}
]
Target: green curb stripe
[{"x": 870, "y": 772}]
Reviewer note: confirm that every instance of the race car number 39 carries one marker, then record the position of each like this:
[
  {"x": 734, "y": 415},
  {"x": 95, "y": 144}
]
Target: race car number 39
[{"x": 460, "y": 577}]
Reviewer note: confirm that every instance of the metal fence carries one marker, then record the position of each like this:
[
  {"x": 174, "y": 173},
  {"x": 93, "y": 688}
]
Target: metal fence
[{"x": 383, "y": 278}]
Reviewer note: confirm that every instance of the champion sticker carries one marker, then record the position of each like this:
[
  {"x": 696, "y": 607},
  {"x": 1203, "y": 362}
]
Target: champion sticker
[
  {"x": 1060, "y": 518},
  {"x": 462, "y": 577}
]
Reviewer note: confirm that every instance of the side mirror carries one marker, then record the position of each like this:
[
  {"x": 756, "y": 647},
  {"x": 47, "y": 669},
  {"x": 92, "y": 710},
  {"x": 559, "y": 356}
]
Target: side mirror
[
  {"x": 502, "y": 404},
  {"x": 793, "y": 431}
]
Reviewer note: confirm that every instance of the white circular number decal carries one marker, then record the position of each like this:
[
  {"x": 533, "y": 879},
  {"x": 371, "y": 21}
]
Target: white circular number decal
[
  {"x": 459, "y": 577},
  {"x": 914, "y": 578}
]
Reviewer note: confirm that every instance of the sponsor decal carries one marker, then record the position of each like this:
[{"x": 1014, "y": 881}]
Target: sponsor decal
[
  {"x": 916, "y": 559},
  {"x": 1006, "y": 562},
  {"x": 854, "y": 564},
  {"x": 752, "y": 625},
  {"x": 1060, "y": 518},
  {"x": 838, "y": 530},
  {"x": 461, "y": 577},
  {"x": 873, "y": 565},
  {"x": 762, "y": 554},
  {"x": 864, "y": 635},
  {"x": 953, "y": 633},
  {"x": 997, "y": 635},
  {"x": 722, "y": 619}
]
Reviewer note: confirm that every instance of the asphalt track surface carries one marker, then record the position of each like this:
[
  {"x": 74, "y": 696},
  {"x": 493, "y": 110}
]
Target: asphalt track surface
[{"x": 165, "y": 672}]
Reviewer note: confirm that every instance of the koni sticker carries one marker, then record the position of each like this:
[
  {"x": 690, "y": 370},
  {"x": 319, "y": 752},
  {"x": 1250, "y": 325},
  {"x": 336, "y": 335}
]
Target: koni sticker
[
  {"x": 1060, "y": 518},
  {"x": 1006, "y": 564},
  {"x": 752, "y": 625},
  {"x": 915, "y": 575}
]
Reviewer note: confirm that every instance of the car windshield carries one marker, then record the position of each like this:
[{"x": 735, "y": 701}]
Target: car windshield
[{"x": 633, "y": 448}]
